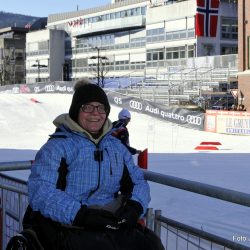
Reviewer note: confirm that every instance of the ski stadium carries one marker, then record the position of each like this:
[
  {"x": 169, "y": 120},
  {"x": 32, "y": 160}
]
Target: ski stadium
[
  {"x": 180, "y": 84},
  {"x": 199, "y": 180}
]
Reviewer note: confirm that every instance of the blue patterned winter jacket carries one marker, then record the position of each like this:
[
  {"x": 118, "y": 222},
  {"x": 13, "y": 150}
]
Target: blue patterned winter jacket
[{"x": 89, "y": 181}]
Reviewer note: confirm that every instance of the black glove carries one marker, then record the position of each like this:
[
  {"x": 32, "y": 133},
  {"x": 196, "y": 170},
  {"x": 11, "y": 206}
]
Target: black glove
[
  {"x": 96, "y": 219},
  {"x": 130, "y": 215}
]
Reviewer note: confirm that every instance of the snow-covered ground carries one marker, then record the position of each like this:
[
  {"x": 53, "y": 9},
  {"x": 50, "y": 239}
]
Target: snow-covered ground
[{"x": 25, "y": 126}]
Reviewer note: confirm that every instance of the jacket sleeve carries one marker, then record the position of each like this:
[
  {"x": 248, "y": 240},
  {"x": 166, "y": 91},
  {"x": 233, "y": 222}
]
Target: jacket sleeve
[
  {"x": 42, "y": 192},
  {"x": 124, "y": 137},
  {"x": 141, "y": 190},
  {"x": 132, "y": 150}
]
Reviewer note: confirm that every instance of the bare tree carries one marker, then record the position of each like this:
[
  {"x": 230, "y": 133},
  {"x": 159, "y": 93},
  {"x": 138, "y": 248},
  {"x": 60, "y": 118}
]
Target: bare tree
[{"x": 99, "y": 67}]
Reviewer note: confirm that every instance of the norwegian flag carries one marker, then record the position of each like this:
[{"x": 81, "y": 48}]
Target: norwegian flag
[{"x": 206, "y": 17}]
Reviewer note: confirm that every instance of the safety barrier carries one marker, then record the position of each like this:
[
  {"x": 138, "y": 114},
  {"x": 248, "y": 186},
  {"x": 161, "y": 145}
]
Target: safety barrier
[{"x": 174, "y": 235}]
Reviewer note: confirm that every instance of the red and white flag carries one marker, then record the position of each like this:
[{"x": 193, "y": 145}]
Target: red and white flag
[{"x": 206, "y": 19}]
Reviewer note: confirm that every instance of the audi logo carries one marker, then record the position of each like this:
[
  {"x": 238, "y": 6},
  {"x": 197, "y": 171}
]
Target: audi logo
[
  {"x": 195, "y": 120},
  {"x": 135, "y": 105},
  {"x": 49, "y": 88}
]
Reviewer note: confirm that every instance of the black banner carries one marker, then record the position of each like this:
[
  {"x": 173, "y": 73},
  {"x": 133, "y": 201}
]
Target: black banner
[
  {"x": 51, "y": 87},
  {"x": 184, "y": 117}
]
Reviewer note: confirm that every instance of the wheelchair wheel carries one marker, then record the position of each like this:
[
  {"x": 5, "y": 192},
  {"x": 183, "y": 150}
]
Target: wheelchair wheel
[
  {"x": 19, "y": 242},
  {"x": 25, "y": 240}
]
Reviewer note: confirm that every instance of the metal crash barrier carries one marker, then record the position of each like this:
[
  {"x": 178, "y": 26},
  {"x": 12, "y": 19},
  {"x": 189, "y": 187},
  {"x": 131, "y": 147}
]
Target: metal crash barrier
[{"x": 174, "y": 235}]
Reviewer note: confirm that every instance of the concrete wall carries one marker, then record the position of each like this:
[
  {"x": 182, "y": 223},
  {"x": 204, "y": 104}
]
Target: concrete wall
[{"x": 57, "y": 44}]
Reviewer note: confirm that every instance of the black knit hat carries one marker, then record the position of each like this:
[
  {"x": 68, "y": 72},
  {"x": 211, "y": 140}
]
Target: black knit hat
[{"x": 85, "y": 94}]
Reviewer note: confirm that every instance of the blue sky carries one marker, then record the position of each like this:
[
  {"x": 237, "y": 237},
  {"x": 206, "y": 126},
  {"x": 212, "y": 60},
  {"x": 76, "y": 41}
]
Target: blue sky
[{"x": 45, "y": 7}]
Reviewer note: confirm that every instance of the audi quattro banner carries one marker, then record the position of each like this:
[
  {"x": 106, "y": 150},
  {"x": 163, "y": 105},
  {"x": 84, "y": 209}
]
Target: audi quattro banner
[
  {"x": 51, "y": 87},
  {"x": 187, "y": 118}
]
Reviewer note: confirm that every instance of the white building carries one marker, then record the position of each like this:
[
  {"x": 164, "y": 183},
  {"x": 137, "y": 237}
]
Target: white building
[
  {"x": 44, "y": 55},
  {"x": 135, "y": 38}
]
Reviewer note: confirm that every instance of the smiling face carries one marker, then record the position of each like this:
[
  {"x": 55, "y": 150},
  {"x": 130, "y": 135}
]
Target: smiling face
[{"x": 93, "y": 121}]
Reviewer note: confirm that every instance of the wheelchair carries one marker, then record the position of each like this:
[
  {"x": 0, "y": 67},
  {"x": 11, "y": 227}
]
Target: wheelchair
[{"x": 25, "y": 240}]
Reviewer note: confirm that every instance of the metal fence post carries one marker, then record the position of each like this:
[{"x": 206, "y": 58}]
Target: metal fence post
[
  {"x": 3, "y": 219},
  {"x": 20, "y": 215},
  {"x": 157, "y": 223},
  {"x": 150, "y": 219}
]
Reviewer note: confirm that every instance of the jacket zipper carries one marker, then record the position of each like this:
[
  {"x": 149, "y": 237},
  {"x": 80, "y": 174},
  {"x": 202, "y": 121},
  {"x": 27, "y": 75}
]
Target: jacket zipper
[{"x": 110, "y": 165}]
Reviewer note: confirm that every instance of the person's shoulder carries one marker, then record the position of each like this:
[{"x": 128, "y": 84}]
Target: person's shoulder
[
  {"x": 63, "y": 142},
  {"x": 61, "y": 137},
  {"x": 61, "y": 132},
  {"x": 117, "y": 124}
]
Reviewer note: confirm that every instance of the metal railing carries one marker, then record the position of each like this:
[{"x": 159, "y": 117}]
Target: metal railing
[
  {"x": 179, "y": 236},
  {"x": 174, "y": 235}
]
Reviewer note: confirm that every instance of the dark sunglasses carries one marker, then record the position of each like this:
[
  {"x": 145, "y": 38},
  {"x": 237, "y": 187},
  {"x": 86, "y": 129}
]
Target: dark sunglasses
[{"x": 89, "y": 108}]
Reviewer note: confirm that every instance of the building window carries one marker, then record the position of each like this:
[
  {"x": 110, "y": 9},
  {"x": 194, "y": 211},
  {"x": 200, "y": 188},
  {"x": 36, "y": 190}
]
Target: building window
[
  {"x": 229, "y": 28},
  {"x": 175, "y": 52},
  {"x": 155, "y": 55},
  {"x": 190, "y": 51},
  {"x": 229, "y": 49},
  {"x": 43, "y": 45},
  {"x": 137, "y": 42},
  {"x": 155, "y": 35}
]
